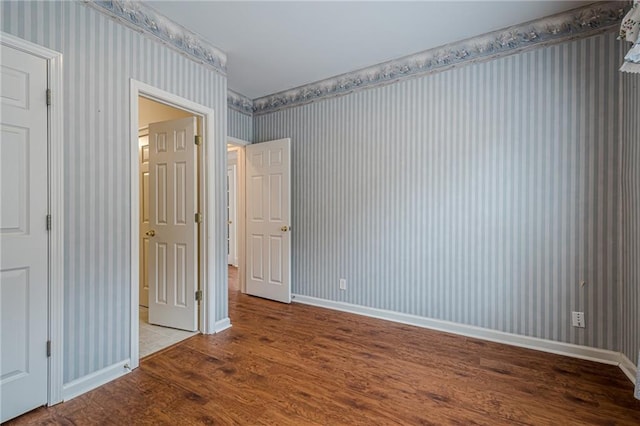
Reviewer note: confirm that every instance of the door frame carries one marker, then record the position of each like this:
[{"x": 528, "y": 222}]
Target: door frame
[
  {"x": 241, "y": 212},
  {"x": 55, "y": 177},
  {"x": 233, "y": 224},
  {"x": 142, "y": 131},
  {"x": 207, "y": 179}
]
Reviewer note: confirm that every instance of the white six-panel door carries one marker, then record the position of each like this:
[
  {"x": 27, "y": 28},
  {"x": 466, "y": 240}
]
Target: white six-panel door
[
  {"x": 268, "y": 201},
  {"x": 24, "y": 246},
  {"x": 173, "y": 231}
]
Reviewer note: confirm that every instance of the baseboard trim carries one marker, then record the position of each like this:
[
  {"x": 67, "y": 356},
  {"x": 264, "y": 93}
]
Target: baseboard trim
[
  {"x": 222, "y": 325},
  {"x": 96, "y": 379},
  {"x": 629, "y": 368},
  {"x": 560, "y": 348}
]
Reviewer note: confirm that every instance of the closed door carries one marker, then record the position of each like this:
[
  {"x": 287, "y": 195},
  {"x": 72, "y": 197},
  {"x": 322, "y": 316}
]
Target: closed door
[
  {"x": 24, "y": 246},
  {"x": 268, "y": 201},
  {"x": 143, "y": 141},
  {"x": 173, "y": 229}
]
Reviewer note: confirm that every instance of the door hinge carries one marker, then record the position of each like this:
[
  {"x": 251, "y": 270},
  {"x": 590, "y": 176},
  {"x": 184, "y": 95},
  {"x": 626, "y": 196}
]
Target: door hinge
[
  {"x": 48, "y": 348},
  {"x": 48, "y": 222},
  {"x": 48, "y": 97},
  {"x": 198, "y": 140},
  {"x": 199, "y": 295},
  {"x": 198, "y": 218}
]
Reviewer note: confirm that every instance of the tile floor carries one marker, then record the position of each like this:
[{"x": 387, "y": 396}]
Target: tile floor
[{"x": 153, "y": 337}]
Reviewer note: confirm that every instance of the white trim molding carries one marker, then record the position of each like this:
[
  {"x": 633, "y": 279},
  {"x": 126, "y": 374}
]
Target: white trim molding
[
  {"x": 592, "y": 19},
  {"x": 629, "y": 368},
  {"x": 56, "y": 208},
  {"x": 95, "y": 379},
  {"x": 222, "y": 325},
  {"x": 559, "y": 348},
  {"x": 237, "y": 142},
  {"x": 208, "y": 249},
  {"x": 141, "y": 17}
]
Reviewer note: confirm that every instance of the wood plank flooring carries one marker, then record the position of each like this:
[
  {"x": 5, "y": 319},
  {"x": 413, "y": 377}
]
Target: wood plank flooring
[{"x": 299, "y": 365}]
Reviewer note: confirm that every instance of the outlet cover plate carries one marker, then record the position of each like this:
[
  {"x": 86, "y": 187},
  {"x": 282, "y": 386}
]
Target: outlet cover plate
[{"x": 577, "y": 319}]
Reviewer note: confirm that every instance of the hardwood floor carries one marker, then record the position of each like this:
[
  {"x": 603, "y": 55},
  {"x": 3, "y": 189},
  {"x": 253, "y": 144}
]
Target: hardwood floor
[{"x": 295, "y": 364}]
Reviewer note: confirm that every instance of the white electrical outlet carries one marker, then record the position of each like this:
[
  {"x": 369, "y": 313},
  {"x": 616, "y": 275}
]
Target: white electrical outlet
[
  {"x": 343, "y": 283},
  {"x": 577, "y": 319}
]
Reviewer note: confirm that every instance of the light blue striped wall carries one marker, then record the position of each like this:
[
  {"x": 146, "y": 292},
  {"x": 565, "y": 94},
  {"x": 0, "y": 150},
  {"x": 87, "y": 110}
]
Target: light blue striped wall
[
  {"x": 630, "y": 215},
  {"x": 482, "y": 195},
  {"x": 100, "y": 56},
  {"x": 240, "y": 125}
]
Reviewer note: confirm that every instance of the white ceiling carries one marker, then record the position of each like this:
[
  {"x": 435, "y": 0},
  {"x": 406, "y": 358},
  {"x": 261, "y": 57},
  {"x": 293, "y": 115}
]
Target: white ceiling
[{"x": 274, "y": 46}]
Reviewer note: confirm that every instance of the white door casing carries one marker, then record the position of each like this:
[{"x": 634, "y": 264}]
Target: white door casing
[
  {"x": 232, "y": 212},
  {"x": 143, "y": 141},
  {"x": 173, "y": 265},
  {"x": 268, "y": 207},
  {"x": 24, "y": 246}
]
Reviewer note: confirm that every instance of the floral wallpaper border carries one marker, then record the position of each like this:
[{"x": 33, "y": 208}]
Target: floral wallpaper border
[
  {"x": 589, "y": 20},
  {"x": 577, "y": 23},
  {"x": 142, "y": 17},
  {"x": 239, "y": 102}
]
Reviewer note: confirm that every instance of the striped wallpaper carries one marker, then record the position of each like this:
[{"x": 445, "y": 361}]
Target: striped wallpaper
[
  {"x": 100, "y": 56},
  {"x": 630, "y": 216},
  {"x": 239, "y": 125},
  {"x": 482, "y": 195}
]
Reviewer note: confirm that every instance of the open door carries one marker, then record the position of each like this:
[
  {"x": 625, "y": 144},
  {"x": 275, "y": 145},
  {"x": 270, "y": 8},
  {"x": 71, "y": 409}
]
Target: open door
[
  {"x": 268, "y": 201},
  {"x": 172, "y": 257}
]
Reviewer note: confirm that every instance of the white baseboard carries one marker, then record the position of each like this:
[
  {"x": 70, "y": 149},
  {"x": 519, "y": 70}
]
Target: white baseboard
[
  {"x": 222, "y": 325},
  {"x": 560, "y": 348},
  {"x": 629, "y": 368},
  {"x": 91, "y": 381}
]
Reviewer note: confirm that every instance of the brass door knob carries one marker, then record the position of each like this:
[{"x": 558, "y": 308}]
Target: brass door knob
[
  {"x": 151, "y": 233},
  {"x": 285, "y": 228}
]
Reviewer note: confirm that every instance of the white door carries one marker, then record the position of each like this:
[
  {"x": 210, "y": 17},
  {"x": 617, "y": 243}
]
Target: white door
[
  {"x": 24, "y": 246},
  {"x": 173, "y": 231},
  {"x": 232, "y": 210},
  {"x": 268, "y": 201},
  {"x": 143, "y": 141}
]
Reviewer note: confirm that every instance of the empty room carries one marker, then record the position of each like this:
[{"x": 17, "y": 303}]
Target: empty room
[{"x": 320, "y": 212}]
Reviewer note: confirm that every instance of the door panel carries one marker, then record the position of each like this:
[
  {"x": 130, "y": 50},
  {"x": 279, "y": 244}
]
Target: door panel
[
  {"x": 275, "y": 194},
  {"x": 173, "y": 232},
  {"x": 15, "y": 289},
  {"x": 160, "y": 192},
  {"x": 268, "y": 220},
  {"x": 23, "y": 234},
  {"x": 275, "y": 268}
]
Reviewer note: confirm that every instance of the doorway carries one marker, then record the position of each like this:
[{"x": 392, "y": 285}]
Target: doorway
[
  {"x": 263, "y": 218},
  {"x": 236, "y": 212},
  {"x": 160, "y": 329},
  {"x": 176, "y": 150},
  {"x": 232, "y": 206}
]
